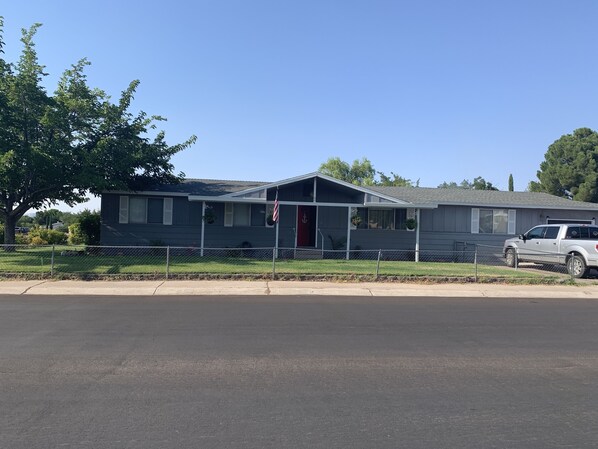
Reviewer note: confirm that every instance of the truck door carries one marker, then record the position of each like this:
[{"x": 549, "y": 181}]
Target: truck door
[
  {"x": 531, "y": 247},
  {"x": 548, "y": 246}
]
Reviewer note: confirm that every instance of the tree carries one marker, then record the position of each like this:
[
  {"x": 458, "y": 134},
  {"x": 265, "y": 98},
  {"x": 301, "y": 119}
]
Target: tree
[
  {"x": 395, "y": 180},
  {"x": 361, "y": 173},
  {"x": 478, "y": 183},
  {"x": 511, "y": 187},
  {"x": 570, "y": 167},
  {"x": 63, "y": 146},
  {"x": 47, "y": 217}
]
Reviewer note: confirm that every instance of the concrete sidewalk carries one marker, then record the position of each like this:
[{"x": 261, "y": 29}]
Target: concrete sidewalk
[{"x": 295, "y": 288}]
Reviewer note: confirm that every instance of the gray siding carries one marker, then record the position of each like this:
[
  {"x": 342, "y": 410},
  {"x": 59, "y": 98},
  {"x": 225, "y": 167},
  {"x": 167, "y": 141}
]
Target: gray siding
[
  {"x": 441, "y": 229},
  {"x": 382, "y": 239},
  {"x": 333, "y": 193}
]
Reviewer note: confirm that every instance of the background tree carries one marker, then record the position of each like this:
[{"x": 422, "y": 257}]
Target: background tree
[
  {"x": 45, "y": 218},
  {"x": 570, "y": 167},
  {"x": 478, "y": 183},
  {"x": 60, "y": 147},
  {"x": 511, "y": 186},
  {"x": 361, "y": 172},
  {"x": 395, "y": 180}
]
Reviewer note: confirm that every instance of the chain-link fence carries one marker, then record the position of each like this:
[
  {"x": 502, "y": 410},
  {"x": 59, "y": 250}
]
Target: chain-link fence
[{"x": 474, "y": 263}]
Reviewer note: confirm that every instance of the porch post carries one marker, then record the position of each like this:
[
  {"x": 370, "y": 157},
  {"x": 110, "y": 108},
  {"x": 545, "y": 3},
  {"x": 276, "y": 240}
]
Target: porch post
[
  {"x": 203, "y": 225},
  {"x": 417, "y": 235},
  {"x": 348, "y": 231}
]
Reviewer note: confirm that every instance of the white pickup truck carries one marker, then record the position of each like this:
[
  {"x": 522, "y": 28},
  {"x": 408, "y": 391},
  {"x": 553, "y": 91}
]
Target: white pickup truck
[{"x": 572, "y": 245}]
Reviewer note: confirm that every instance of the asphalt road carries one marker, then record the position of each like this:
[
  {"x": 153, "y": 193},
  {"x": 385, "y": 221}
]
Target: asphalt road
[{"x": 297, "y": 372}]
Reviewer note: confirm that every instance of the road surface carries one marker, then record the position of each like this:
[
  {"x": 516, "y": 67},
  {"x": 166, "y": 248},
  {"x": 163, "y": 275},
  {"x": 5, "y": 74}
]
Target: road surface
[{"x": 297, "y": 372}]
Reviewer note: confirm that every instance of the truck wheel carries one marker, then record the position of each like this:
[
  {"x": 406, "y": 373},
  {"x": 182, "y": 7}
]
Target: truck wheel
[
  {"x": 511, "y": 257},
  {"x": 576, "y": 266}
]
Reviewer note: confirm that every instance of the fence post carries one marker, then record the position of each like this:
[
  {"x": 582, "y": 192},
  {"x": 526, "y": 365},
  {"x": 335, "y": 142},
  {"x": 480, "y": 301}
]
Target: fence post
[
  {"x": 273, "y": 263},
  {"x": 378, "y": 263},
  {"x": 475, "y": 263},
  {"x": 52, "y": 262},
  {"x": 167, "y": 261}
]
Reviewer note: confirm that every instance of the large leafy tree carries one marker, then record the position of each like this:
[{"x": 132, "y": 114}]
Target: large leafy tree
[
  {"x": 362, "y": 173},
  {"x": 570, "y": 167},
  {"x": 60, "y": 147}
]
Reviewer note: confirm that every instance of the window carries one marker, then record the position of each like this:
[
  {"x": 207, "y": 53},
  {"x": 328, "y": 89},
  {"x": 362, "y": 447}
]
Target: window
[
  {"x": 242, "y": 214},
  {"x": 237, "y": 214},
  {"x": 493, "y": 221},
  {"x": 140, "y": 210},
  {"x": 582, "y": 233},
  {"x": 137, "y": 210},
  {"x": 381, "y": 219},
  {"x": 536, "y": 233}
]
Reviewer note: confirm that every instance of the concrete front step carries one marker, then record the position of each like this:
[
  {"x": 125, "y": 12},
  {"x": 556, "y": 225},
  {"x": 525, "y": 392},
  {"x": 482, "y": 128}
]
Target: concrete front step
[{"x": 308, "y": 253}]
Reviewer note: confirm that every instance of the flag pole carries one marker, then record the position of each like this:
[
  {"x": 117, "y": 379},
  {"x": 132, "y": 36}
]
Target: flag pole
[{"x": 276, "y": 216}]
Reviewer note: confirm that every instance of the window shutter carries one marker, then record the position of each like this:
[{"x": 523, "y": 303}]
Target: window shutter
[
  {"x": 475, "y": 220},
  {"x": 511, "y": 224},
  {"x": 167, "y": 215},
  {"x": 228, "y": 214},
  {"x": 123, "y": 211}
]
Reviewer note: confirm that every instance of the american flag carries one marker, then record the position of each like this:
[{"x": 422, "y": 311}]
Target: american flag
[{"x": 276, "y": 207}]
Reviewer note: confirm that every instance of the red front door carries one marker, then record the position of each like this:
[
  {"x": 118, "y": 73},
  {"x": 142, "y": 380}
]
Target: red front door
[{"x": 306, "y": 226}]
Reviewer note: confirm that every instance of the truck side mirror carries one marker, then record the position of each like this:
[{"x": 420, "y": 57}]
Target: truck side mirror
[{"x": 522, "y": 237}]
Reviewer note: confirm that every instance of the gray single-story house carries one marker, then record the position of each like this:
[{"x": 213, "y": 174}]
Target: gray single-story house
[{"x": 319, "y": 212}]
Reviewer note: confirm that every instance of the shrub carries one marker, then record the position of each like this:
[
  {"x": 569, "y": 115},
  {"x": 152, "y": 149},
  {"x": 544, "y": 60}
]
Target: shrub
[
  {"x": 41, "y": 236},
  {"x": 76, "y": 236},
  {"x": 89, "y": 223},
  {"x": 22, "y": 239},
  {"x": 37, "y": 240}
]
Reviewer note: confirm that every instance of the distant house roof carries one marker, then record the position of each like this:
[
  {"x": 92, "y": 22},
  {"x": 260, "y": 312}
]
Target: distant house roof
[{"x": 414, "y": 195}]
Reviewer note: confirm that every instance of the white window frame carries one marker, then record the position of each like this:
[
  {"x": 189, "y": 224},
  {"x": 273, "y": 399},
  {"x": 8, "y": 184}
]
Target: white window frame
[
  {"x": 511, "y": 220},
  {"x": 124, "y": 210},
  {"x": 229, "y": 215}
]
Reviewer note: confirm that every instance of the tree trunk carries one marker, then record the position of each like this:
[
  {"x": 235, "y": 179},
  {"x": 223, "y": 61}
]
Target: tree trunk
[{"x": 9, "y": 232}]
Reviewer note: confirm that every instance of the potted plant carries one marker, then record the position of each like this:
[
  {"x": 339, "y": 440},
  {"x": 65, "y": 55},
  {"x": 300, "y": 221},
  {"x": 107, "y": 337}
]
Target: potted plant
[
  {"x": 410, "y": 224},
  {"x": 209, "y": 216},
  {"x": 355, "y": 220}
]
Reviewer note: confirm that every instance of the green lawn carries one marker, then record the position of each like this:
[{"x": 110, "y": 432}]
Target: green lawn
[{"x": 39, "y": 260}]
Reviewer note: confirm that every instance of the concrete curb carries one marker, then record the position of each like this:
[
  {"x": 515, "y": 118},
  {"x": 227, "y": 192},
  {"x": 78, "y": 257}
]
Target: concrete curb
[{"x": 291, "y": 288}]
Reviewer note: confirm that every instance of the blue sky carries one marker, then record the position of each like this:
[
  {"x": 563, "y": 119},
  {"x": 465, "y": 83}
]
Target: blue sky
[{"x": 431, "y": 90}]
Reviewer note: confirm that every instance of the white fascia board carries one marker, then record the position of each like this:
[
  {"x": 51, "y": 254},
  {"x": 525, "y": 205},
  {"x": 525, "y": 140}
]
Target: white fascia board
[{"x": 143, "y": 192}]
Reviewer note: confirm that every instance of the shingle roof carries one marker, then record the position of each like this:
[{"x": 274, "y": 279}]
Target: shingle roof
[
  {"x": 468, "y": 197},
  {"x": 416, "y": 195},
  {"x": 209, "y": 187}
]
